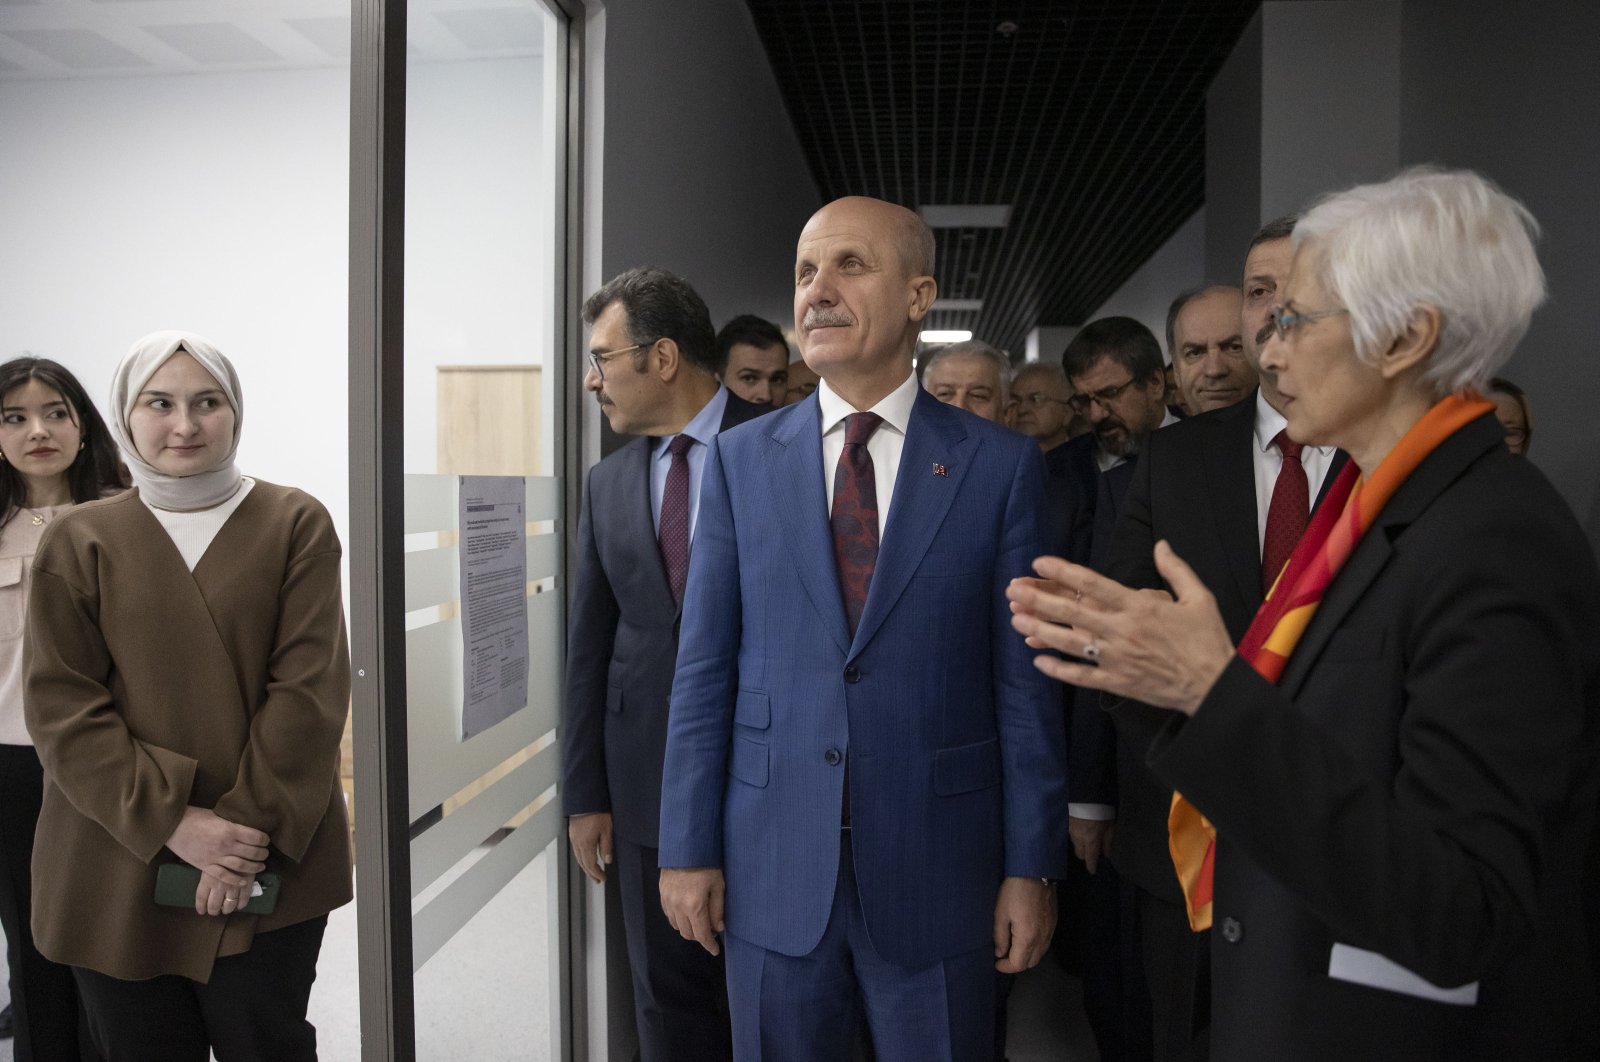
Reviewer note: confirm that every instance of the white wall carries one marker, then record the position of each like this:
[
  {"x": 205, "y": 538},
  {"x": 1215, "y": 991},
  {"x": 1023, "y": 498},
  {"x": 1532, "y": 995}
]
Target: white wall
[
  {"x": 1179, "y": 264},
  {"x": 218, "y": 203},
  {"x": 213, "y": 203}
]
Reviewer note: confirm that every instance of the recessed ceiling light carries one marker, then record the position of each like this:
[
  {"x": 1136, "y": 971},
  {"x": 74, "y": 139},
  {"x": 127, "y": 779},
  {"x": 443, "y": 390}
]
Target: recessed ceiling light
[
  {"x": 949, "y": 335},
  {"x": 966, "y": 215}
]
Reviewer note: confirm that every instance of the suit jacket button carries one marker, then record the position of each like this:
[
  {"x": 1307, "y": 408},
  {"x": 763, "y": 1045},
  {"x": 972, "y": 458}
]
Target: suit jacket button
[
  {"x": 1232, "y": 931},
  {"x": 832, "y": 757},
  {"x": 852, "y": 673}
]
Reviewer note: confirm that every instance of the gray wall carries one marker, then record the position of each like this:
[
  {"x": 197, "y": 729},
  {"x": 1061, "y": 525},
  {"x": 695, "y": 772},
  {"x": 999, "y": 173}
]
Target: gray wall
[
  {"x": 703, "y": 172},
  {"x": 1233, "y": 156},
  {"x": 1330, "y": 77},
  {"x": 1513, "y": 91}
]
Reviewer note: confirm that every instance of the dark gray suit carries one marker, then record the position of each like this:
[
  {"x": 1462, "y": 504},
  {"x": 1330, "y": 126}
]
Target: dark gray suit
[{"x": 621, "y": 651}]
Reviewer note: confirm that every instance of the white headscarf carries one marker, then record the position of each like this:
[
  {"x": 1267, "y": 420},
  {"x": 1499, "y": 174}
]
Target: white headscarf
[{"x": 203, "y": 489}]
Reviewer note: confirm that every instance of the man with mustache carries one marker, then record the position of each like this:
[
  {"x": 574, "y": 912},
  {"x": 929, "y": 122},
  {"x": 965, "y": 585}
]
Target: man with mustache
[
  {"x": 1221, "y": 490},
  {"x": 651, "y": 365},
  {"x": 864, "y": 790}
]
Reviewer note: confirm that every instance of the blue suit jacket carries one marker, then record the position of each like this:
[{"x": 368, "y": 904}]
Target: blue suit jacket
[{"x": 955, "y": 741}]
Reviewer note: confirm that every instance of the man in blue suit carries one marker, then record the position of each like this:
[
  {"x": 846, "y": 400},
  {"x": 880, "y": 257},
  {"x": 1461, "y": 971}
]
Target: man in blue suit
[
  {"x": 865, "y": 788},
  {"x": 652, "y": 368}
]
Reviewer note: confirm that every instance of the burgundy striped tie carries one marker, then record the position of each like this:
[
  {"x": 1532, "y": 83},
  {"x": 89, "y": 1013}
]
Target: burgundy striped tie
[
  {"x": 855, "y": 515},
  {"x": 673, "y": 535},
  {"x": 1288, "y": 513}
]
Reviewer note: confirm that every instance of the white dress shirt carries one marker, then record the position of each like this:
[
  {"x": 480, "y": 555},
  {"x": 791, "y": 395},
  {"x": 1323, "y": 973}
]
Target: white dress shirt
[
  {"x": 885, "y": 446},
  {"x": 1268, "y": 462}
]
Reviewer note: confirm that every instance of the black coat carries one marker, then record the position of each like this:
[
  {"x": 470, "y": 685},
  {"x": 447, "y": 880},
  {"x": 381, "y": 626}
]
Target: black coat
[
  {"x": 1195, "y": 487},
  {"x": 1420, "y": 784},
  {"x": 622, "y": 646}
]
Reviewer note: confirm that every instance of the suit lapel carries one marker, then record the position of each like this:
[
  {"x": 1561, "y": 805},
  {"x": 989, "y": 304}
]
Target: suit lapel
[
  {"x": 1430, "y": 479},
  {"x": 1231, "y": 478},
  {"x": 639, "y": 525},
  {"x": 800, "y": 498},
  {"x": 934, "y": 436}
]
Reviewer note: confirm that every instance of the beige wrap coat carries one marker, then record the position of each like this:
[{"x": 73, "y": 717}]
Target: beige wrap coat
[{"x": 149, "y": 688}]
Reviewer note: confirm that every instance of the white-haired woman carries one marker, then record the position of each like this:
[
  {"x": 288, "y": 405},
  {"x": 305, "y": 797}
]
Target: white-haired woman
[
  {"x": 187, "y": 682},
  {"x": 1389, "y": 787}
]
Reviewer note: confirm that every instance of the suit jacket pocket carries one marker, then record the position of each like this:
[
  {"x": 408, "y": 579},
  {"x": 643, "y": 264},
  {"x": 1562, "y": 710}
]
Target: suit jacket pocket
[
  {"x": 966, "y": 768},
  {"x": 614, "y": 698},
  {"x": 753, "y": 708},
  {"x": 747, "y": 761}
]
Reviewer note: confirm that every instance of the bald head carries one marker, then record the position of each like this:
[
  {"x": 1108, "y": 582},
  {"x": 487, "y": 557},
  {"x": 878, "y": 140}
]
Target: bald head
[
  {"x": 863, "y": 280},
  {"x": 905, "y": 229}
]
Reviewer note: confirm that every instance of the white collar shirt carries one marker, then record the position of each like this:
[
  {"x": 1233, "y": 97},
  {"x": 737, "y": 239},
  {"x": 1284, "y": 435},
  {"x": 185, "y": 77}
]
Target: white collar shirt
[
  {"x": 885, "y": 446},
  {"x": 1268, "y": 461}
]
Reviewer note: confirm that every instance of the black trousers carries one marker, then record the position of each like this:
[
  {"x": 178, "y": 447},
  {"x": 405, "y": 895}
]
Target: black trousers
[
  {"x": 1177, "y": 967},
  {"x": 44, "y": 997},
  {"x": 1114, "y": 994},
  {"x": 680, "y": 993},
  {"x": 252, "y": 1010}
]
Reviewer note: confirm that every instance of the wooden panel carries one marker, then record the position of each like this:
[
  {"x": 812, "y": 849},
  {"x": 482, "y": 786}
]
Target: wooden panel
[{"x": 489, "y": 422}]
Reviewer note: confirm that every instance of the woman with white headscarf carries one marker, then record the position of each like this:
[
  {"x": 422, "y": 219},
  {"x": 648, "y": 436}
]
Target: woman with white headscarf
[{"x": 187, "y": 682}]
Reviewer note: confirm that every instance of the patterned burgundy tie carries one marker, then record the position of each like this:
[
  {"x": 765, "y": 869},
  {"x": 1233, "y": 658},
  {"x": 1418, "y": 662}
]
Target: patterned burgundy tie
[
  {"x": 673, "y": 535},
  {"x": 855, "y": 515},
  {"x": 1288, "y": 513}
]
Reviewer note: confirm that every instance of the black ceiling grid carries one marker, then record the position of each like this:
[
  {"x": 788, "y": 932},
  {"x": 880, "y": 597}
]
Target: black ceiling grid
[{"x": 1087, "y": 119}]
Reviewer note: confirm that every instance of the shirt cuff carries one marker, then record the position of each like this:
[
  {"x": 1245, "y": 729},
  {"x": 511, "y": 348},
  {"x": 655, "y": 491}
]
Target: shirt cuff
[{"x": 1097, "y": 812}]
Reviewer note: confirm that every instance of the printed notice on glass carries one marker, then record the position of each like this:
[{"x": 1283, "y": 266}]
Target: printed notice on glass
[{"x": 494, "y": 600}]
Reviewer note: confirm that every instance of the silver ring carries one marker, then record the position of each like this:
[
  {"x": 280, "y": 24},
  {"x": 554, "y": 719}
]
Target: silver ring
[
  {"x": 1091, "y": 652},
  {"x": 227, "y": 900}
]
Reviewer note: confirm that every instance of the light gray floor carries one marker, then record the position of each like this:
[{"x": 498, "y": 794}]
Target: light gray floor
[{"x": 485, "y": 996}]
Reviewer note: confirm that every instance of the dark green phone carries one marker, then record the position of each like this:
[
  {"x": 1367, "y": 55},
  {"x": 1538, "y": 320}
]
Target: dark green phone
[{"x": 176, "y": 884}]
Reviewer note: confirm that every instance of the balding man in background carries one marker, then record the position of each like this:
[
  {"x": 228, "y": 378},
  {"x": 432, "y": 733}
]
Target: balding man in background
[
  {"x": 972, "y": 375},
  {"x": 862, "y": 760},
  {"x": 1205, "y": 336},
  {"x": 1044, "y": 405}
]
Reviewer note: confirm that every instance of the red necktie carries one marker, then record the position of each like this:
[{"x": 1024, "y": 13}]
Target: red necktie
[
  {"x": 673, "y": 534},
  {"x": 1289, "y": 512},
  {"x": 855, "y": 515}
]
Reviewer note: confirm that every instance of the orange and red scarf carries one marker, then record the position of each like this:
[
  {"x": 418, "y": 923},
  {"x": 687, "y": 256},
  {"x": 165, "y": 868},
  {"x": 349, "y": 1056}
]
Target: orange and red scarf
[{"x": 1345, "y": 515}]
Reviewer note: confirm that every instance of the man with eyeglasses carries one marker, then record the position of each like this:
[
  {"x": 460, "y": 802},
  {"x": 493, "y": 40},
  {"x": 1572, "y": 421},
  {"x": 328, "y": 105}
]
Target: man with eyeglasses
[
  {"x": 1222, "y": 490},
  {"x": 652, "y": 367},
  {"x": 803, "y": 381},
  {"x": 1117, "y": 376},
  {"x": 1044, "y": 412}
]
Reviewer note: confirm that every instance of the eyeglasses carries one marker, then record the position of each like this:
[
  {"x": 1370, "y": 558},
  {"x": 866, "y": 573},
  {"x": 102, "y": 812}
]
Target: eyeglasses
[
  {"x": 598, "y": 358},
  {"x": 803, "y": 390},
  {"x": 1039, "y": 398},
  {"x": 1283, "y": 322},
  {"x": 1103, "y": 398}
]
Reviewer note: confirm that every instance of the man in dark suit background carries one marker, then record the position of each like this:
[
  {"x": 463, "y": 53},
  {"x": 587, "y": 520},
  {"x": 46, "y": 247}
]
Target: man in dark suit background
[
  {"x": 652, "y": 369},
  {"x": 1208, "y": 486},
  {"x": 1114, "y": 367}
]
